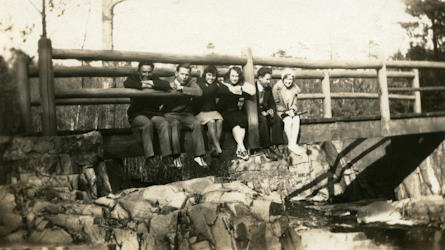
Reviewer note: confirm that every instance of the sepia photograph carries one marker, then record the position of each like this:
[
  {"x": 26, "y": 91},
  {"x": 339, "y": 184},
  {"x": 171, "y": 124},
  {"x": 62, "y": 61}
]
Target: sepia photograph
[{"x": 222, "y": 125}]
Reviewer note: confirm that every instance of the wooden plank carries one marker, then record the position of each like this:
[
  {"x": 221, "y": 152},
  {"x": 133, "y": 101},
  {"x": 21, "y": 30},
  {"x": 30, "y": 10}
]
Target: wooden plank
[
  {"x": 326, "y": 88},
  {"x": 86, "y": 101},
  {"x": 114, "y": 93},
  {"x": 46, "y": 80},
  {"x": 414, "y": 89},
  {"x": 317, "y": 74},
  {"x": 21, "y": 67},
  {"x": 115, "y": 55},
  {"x": 315, "y": 64},
  {"x": 251, "y": 105},
  {"x": 415, "y": 64},
  {"x": 416, "y": 84}
]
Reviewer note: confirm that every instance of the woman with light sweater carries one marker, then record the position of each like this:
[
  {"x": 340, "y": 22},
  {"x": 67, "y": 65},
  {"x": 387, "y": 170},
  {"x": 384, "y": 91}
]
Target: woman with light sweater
[{"x": 285, "y": 94}]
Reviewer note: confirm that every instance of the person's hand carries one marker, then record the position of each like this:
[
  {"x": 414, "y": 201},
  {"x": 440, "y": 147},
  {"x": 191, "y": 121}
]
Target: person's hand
[
  {"x": 264, "y": 113},
  {"x": 290, "y": 113},
  {"x": 270, "y": 112},
  {"x": 147, "y": 84}
]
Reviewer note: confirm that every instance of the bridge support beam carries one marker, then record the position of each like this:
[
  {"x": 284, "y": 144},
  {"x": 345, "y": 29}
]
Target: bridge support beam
[
  {"x": 46, "y": 81},
  {"x": 251, "y": 105},
  {"x": 384, "y": 99},
  {"x": 21, "y": 69},
  {"x": 326, "y": 88},
  {"x": 416, "y": 84}
]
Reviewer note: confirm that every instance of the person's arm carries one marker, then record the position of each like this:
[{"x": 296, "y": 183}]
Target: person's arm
[
  {"x": 133, "y": 83},
  {"x": 281, "y": 108},
  {"x": 162, "y": 85},
  {"x": 193, "y": 89},
  {"x": 294, "y": 101}
]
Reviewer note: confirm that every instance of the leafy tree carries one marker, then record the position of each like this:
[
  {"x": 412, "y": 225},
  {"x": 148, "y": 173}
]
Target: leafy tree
[{"x": 434, "y": 11}]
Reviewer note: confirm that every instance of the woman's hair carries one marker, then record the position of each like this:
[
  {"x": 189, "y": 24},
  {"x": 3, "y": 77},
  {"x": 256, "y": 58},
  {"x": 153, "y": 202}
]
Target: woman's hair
[
  {"x": 209, "y": 69},
  {"x": 286, "y": 73},
  {"x": 239, "y": 71}
]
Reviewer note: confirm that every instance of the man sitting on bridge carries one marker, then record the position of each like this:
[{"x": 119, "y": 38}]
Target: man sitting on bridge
[
  {"x": 143, "y": 114},
  {"x": 179, "y": 111}
]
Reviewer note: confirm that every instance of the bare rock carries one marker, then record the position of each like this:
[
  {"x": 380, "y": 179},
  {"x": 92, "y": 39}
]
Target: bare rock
[
  {"x": 148, "y": 242},
  {"x": 95, "y": 234},
  {"x": 221, "y": 234},
  {"x": 196, "y": 185},
  {"x": 84, "y": 209},
  {"x": 103, "y": 182},
  {"x": 165, "y": 195},
  {"x": 202, "y": 245},
  {"x": 106, "y": 202},
  {"x": 126, "y": 239},
  {"x": 239, "y": 187},
  {"x": 118, "y": 213},
  {"x": 16, "y": 237},
  {"x": 53, "y": 235},
  {"x": 139, "y": 210},
  {"x": 261, "y": 209},
  {"x": 202, "y": 216},
  {"x": 7, "y": 200},
  {"x": 73, "y": 223},
  {"x": 164, "y": 226},
  {"x": 9, "y": 222}
]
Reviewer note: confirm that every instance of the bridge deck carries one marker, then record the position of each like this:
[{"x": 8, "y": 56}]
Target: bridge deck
[{"x": 120, "y": 142}]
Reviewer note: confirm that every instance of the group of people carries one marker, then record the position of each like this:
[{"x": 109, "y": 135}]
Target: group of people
[{"x": 218, "y": 104}]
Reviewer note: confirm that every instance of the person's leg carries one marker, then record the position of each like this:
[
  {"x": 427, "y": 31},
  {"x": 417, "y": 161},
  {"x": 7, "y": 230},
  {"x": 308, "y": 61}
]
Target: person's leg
[
  {"x": 238, "y": 134},
  {"x": 264, "y": 131},
  {"x": 163, "y": 129},
  {"x": 211, "y": 125},
  {"x": 145, "y": 127},
  {"x": 276, "y": 127},
  {"x": 288, "y": 129},
  {"x": 190, "y": 122},
  {"x": 219, "y": 129},
  {"x": 175, "y": 133}
]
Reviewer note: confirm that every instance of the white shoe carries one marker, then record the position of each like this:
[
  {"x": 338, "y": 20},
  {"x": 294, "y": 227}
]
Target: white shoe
[
  {"x": 296, "y": 149},
  {"x": 200, "y": 161}
]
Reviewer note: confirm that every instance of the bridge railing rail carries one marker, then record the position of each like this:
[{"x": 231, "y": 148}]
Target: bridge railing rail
[{"x": 307, "y": 69}]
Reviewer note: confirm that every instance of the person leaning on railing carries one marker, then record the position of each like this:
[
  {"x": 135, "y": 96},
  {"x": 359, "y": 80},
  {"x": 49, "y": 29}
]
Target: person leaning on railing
[
  {"x": 231, "y": 106},
  {"x": 179, "y": 111},
  {"x": 270, "y": 125},
  {"x": 285, "y": 94},
  {"x": 205, "y": 108},
  {"x": 143, "y": 114}
]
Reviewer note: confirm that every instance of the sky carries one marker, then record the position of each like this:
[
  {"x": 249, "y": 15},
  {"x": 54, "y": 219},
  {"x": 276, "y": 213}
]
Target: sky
[{"x": 313, "y": 29}]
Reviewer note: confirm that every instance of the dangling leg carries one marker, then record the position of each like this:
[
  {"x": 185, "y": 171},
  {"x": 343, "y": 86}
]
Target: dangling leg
[{"x": 238, "y": 134}]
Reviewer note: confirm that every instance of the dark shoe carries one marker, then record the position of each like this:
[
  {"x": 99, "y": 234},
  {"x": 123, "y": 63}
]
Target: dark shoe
[
  {"x": 151, "y": 162},
  {"x": 270, "y": 155}
]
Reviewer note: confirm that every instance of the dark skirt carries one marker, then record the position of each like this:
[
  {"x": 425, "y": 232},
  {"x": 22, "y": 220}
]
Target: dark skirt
[{"x": 234, "y": 118}]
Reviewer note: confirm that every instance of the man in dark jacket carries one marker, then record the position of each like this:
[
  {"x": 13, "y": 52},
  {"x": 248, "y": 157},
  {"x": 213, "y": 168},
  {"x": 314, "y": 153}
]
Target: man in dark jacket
[
  {"x": 180, "y": 110},
  {"x": 143, "y": 113},
  {"x": 270, "y": 125}
]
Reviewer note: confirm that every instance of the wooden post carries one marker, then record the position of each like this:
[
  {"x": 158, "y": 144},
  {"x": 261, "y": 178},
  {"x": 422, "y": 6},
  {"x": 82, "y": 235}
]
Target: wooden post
[
  {"x": 251, "y": 105},
  {"x": 416, "y": 84},
  {"x": 384, "y": 99},
  {"x": 21, "y": 67},
  {"x": 46, "y": 81},
  {"x": 326, "y": 88}
]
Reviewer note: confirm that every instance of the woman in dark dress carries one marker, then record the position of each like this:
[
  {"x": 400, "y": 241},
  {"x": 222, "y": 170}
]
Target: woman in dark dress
[
  {"x": 205, "y": 107},
  {"x": 232, "y": 93}
]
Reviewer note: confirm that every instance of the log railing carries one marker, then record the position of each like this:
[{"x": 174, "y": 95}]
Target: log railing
[{"x": 324, "y": 70}]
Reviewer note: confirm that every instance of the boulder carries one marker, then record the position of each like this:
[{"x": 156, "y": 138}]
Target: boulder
[
  {"x": 73, "y": 223},
  {"x": 53, "y": 235},
  {"x": 202, "y": 216},
  {"x": 95, "y": 234},
  {"x": 84, "y": 209},
  {"x": 138, "y": 210},
  {"x": 126, "y": 239},
  {"x": 196, "y": 185},
  {"x": 220, "y": 232},
  {"x": 118, "y": 213},
  {"x": 7, "y": 200},
  {"x": 16, "y": 237},
  {"x": 9, "y": 222},
  {"x": 106, "y": 202},
  {"x": 202, "y": 245},
  {"x": 164, "y": 226},
  {"x": 165, "y": 195}
]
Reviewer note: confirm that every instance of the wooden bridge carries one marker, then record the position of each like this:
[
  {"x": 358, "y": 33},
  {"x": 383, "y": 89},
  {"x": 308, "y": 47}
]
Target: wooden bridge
[{"x": 312, "y": 130}]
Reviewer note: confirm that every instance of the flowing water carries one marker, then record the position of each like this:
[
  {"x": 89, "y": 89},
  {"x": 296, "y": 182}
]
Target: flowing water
[{"x": 326, "y": 226}]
